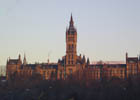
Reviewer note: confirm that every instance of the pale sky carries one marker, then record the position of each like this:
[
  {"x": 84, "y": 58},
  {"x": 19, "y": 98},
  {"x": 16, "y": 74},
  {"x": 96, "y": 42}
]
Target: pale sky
[{"x": 106, "y": 28}]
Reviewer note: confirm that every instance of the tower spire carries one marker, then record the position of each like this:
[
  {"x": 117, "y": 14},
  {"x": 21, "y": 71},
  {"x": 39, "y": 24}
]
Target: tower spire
[
  {"x": 71, "y": 18},
  {"x": 19, "y": 57},
  {"x": 24, "y": 60},
  {"x": 71, "y": 21}
]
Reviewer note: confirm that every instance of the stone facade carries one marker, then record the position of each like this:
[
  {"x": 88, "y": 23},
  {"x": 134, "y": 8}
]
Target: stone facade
[{"x": 73, "y": 66}]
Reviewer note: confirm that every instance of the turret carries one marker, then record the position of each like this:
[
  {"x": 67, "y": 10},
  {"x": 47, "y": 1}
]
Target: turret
[
  {"x": 84, "y": 59},
  {"x": 19, "y": 57},
  {"x": 19, "y": 60},
  {"x": 126, "y": 56},
  {"x": 24, "y": 60},
  {"x": 88, "y": 62}
]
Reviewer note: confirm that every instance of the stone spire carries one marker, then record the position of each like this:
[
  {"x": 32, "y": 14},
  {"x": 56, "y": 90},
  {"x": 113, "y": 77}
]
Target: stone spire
[
  {"x": 88, "y": 62},
  {"x": 84, "y": 59},
  {"x": 19, "y": 57},
  {"x": 71, "y": 21},
  {"x": 126, "y": 55},
  {"x": 24, "y": 60}
]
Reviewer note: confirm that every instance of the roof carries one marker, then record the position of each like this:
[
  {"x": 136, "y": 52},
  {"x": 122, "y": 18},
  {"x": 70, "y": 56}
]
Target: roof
[
  {"x": 46, "y": 66},
  {"x": 116, "y": 65},
  {"x": 13, "y": 61},
  {"x": 96, "y": 65},
  {"x": 108, "y": 65},
  {"x": 132, "y": 59}
]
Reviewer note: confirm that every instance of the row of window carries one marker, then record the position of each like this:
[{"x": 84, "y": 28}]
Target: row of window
[
  {"x": 71, "y": 39},
  {"x": 48, "y": 73},
  {"x": 71, "y": 47},
  {"x": 132, "y": 68},
  {"x": 114, "y": 71},
  {"x": 70, "y": 56},
  {"x": 71, "y": 62},
  {"x": 130, "y": 71}
]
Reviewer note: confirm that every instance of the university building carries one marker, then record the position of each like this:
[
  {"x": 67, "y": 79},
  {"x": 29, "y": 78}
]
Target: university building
[{"x": 72, "y": 65}]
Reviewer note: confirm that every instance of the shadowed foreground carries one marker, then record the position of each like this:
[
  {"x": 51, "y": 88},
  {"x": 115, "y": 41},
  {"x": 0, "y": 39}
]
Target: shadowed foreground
[{"x": 36, "y": 89}]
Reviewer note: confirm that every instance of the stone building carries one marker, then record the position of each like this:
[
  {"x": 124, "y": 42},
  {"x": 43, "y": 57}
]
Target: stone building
[{"x": 73, "y": 66}]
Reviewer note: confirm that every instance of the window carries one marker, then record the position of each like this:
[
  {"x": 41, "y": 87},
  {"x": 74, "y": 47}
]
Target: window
[
  {"x": 72, "y": 32},
  {"x": 71, "y": 62},
  {"x": 71, "y": 39},
  {"x": 70, "y": 71},
  {"x": 72, "y": 46},
  {"x": 72, "y": 56},
  {"x": 69, "y": 46},
  {"x": 68, "y": 62},
  {"x": 68, "y": 56}
]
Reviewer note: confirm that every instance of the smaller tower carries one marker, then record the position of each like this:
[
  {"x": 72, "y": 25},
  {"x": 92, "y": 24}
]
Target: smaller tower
[
  {"x": 139, "y": 57},
  {"x": 24, "y": 60},
  {"x": 19, "y": 60},
  {"x": 88, "y": 62},
  {"x": 126, "y": 55},
  {"x": 84, "y": 59},
  {"x": 19, "y": 57}
]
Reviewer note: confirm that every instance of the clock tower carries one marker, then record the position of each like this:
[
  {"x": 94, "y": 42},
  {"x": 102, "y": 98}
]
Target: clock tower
[{"x": 71, "y": 47}]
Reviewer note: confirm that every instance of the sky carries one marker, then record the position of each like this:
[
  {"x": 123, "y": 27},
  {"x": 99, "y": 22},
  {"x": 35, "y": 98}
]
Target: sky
[{"x": 107, "y": 29}]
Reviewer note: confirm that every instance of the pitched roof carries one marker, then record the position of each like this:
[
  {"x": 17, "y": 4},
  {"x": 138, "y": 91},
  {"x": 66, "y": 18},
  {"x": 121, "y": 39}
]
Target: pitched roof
[
  {"x": 134, "y": 59},
  {"x": 46, "y": 66},
  {"x": 108, "y": 65},
  {"x": 13, "y": 61}
]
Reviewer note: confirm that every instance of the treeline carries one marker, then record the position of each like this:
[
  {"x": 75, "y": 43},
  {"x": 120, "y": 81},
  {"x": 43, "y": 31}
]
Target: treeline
[{"x": 35, "y": 88}]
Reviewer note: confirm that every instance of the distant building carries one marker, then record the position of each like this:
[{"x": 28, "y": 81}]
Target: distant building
[{"x": 73, "y": 66}]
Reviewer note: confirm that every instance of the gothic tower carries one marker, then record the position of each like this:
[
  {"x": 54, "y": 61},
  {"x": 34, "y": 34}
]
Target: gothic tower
[{"x": 71, "y": 44}]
